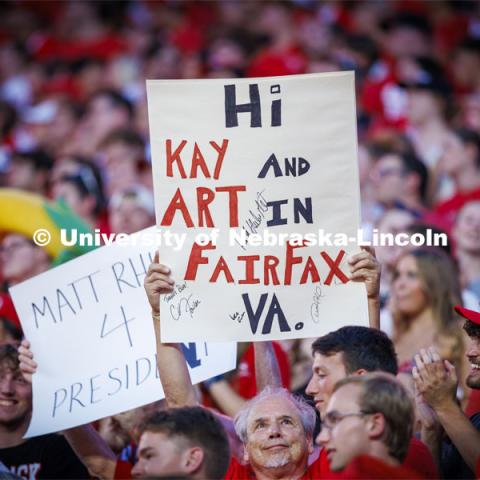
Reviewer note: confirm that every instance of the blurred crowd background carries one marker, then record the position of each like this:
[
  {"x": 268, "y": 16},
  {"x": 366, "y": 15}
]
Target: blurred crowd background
[{"x": 73, "y": 125}]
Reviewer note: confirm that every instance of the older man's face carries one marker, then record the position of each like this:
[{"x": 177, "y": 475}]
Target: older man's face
[{"x": 275, "y": 435}]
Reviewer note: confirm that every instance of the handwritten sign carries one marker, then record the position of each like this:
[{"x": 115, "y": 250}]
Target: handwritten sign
[
  {"x": 259, "y": 178},
  {"x": 91, "y": 331}
]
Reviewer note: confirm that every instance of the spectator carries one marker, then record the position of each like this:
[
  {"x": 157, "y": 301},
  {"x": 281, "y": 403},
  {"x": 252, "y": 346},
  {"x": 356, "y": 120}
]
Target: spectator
[
  {"x": 354, "y": 351},
  {"x": 428, "y": 96},
  {"x": 30, "y": 171},
  {"x": 82, "y": 191},
  {"x": 107, "y": 110},
  {"x": 124, "y": 159},
  {"x": 21, "y": 259},
  {"x": 461, "y": 161},
  {"x": 368, "y": 415},
  {"x": 131, "y": 210},
  {"x": 48, "y": 456},
  {"x": 466, "y": 233},
  {"x": 424, "y": 291},
  {"x": 400, "y": 179},
  {"x": 436, "y": 381},
  {"x": 186, "y": 441}
]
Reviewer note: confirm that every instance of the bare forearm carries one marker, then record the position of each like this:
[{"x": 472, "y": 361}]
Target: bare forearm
[
  {"x": 374, "y": 312},
  {"x": 173, "y": 371},
  {"x": 432, "y": 438},
  {"x": 267, "y": 371},
  {"x": 92, "y": 450},
  {"x": 461, "y": 432}
]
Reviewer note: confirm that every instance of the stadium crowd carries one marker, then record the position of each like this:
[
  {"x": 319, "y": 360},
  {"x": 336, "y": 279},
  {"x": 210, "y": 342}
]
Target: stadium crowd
[{"x": 400, "y": 399}]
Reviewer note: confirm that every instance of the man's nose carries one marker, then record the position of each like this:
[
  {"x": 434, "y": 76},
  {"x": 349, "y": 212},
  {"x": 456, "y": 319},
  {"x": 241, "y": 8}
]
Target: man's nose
[
  {"x": 274, "y": 429},
  {"x": 311, "y": 387},
  {"x": 473, "y": 350},
  {"x": 6, "y": 386},
  {"x": 323, "y": 437},
  {"x": 137, "y": 470}
]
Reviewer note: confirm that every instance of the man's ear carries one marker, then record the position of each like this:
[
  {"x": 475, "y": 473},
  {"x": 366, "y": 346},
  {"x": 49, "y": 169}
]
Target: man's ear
[
  {"x": 193, "y": 460},
  {"x": 310, "y": 444},
  {"x": 360, "y": 371},
  {"x": 246, "y": 458},
  {"x": 375, "y": 425}
]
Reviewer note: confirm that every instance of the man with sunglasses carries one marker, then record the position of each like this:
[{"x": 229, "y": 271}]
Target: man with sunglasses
[{"x": 367, "y": 428}]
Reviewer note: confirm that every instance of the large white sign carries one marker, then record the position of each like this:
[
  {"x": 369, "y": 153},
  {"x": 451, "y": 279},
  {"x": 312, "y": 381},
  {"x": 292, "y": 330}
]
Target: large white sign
[
  {"x": 259, "y": 179},
  {"x": 91, "y": 331}
]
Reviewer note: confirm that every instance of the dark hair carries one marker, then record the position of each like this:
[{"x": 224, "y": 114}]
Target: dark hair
[
  {"x": 199, "y": 427},
  {"x": 472, "y": 329},
  {"x": 9, "y": 355},
  {"x": 361, "y": 348},
  {"x": 39, "y": 159},
  {"x": 87, "y": 179},
  {"x": 125, "y": 135},
  {"x": 411, "y": 164},
  {"x": 116, "y": 99},
  {"x": 11, "y": 329},
  {"x": 469, "y": 137}
]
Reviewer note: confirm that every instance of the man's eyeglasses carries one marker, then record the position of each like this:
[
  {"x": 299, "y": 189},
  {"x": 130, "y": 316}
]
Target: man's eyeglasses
[
  {"x": 332, "y": 419},
  {"x": 9, "y": 249},
  {"x": 389, "y": 171}
]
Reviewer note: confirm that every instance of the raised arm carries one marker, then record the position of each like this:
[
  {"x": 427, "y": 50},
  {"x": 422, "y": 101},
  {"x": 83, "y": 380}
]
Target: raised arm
[
  {"x": 172, "y": 366},
  {"x": 267, "y": 370},
  {"x": 364, "y": 267},
  {"x": 436, "y": 380}
]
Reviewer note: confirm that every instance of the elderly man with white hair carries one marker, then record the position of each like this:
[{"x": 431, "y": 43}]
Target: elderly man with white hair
[{"x": 275, "y": 427}]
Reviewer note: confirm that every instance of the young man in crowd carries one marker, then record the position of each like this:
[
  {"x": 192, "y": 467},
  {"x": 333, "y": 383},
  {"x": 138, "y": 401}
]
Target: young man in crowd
[
  {"x": 21, "y": 259},
  {"x": 367, "y": 428},
  {"x": 188, "y": 441},
  {"x": 47, "y": 456},
  {"x": 436, "y": 381}
]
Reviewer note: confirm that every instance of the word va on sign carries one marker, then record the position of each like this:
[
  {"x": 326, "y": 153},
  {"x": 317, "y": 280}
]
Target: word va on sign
[
  {"x": 101, "y": 387},
  {"x": 253, "y": 107},
  {"x": 254, "y": 267}
]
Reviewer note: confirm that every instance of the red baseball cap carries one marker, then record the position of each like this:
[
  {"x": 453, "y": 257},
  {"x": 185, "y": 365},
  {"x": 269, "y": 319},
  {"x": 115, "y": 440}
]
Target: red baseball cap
[{"x": 468, "y": 314}]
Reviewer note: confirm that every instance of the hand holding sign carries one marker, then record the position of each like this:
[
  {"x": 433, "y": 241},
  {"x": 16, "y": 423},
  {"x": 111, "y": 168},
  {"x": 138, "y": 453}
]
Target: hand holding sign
[{"x": 157, "y": 282}]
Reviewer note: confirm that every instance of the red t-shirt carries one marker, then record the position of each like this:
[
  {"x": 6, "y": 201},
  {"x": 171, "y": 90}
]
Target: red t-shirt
[
  {"x": 244, "y": 380},
  {"x": 370, "y": 468},
  {"x": 123, "y": 470},
  {"x": 418, "y": 459},
  {"x": 236, "y": 471}
]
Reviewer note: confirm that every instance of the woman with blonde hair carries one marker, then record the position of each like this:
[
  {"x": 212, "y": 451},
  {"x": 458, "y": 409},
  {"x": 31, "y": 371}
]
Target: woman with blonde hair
[{"x": 425, "y": 288}]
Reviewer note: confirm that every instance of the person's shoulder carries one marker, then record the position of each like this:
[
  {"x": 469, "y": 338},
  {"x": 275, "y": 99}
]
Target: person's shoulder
[
  {"x": 365, "y": 467},
  {"x": 420, "y": 459},
  {"x": 238, "y": 471}
]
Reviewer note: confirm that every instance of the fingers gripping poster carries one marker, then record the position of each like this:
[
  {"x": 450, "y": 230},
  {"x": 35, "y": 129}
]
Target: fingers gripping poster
[{"x": 257, "y": 200}]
